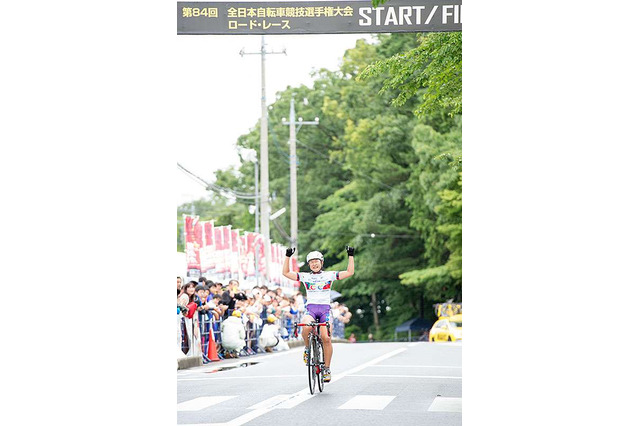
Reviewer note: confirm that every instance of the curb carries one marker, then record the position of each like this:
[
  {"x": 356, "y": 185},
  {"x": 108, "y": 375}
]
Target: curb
[
  {"x": 188, "y": 362},
  {"x": 196, "y": 361}
]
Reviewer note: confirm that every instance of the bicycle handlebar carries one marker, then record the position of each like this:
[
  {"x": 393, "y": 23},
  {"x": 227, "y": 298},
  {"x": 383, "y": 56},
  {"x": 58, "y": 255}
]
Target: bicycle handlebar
[{"x": 313, "y": 324}]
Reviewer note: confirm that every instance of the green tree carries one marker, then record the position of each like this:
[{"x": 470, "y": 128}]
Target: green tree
[{"x": 432, "y": 71}]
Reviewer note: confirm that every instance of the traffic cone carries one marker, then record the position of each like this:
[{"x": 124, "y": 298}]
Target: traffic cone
[{"x": 212, "y": 353}]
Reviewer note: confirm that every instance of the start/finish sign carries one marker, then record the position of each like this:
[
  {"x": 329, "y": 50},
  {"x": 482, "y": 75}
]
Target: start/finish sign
[{"x": 319, "y": 17}]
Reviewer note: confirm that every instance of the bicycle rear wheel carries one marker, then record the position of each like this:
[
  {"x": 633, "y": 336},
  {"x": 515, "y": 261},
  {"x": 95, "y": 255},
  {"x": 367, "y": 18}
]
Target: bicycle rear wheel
[{"x": 310, "y": 367}]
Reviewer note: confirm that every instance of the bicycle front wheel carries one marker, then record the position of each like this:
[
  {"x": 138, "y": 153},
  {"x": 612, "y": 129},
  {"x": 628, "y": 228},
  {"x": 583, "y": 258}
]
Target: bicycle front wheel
[
  {"x": 319, "y": 365},
  {"x": 310, "y": 368}
]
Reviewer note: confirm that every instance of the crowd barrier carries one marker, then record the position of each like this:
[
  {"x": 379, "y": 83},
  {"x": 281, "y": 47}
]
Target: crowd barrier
[{"x": 196, "y": 335}]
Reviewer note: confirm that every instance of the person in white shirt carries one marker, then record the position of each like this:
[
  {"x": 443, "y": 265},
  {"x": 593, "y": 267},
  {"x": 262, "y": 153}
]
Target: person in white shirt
[
  {"x": 233, "y": 333},
  {"x": 318, "y": 308},
  {"x": 270, "y": 335}
]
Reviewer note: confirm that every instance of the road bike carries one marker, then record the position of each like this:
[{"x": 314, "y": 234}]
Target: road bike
[{"x": 315, "y": 360}]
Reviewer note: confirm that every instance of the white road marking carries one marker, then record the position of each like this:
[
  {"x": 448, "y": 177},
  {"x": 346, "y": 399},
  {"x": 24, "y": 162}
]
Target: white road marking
[
  {"x": 299, "y": 396},
  {"x": 202, "y": 402},
  {"x": 295, "y": 399},
  {"x": 267, "y": 403},
  {"x": 413, "y": 366},
  {"x": 446, "y": 404},
  {"x": 243, "y": 377},
  {"x": 367, "y": 402},
  {"x": 405, "y": 375},
  {"x": 303, "y": 395},
  {"x": 368, "y": 364}
]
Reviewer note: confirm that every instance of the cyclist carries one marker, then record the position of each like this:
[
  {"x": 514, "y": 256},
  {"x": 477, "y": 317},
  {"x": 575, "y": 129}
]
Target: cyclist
[{"x": 318, "y": 308}]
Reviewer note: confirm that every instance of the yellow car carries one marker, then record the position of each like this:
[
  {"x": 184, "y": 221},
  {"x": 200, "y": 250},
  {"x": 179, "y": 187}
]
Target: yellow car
[{"x": 447, "y": 329}]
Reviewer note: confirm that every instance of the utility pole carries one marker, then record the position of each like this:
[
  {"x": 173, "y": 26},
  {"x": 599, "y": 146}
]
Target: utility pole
[
  {"x": 293, "y": 163},
  {"x": 264, "y": 157}
]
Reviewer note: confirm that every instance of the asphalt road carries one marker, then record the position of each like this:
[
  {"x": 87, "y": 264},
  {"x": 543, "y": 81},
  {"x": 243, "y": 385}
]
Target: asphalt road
[{"x": 372, "y": 384}]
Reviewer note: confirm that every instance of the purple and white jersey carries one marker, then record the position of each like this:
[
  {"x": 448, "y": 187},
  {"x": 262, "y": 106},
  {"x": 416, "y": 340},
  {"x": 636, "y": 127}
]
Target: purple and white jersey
[{"x": 318, "y": 286}]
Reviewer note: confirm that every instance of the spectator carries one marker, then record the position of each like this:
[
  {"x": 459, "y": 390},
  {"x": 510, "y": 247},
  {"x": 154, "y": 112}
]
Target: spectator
[
  {"x": 179, "y": 285},
  {"x": 214, "y": 308},
  {"x": 187, "y": 293},
  {"x": 252, "y": 311},
  {"x": 338, "y": 322},
  {"x": 216, "y": 289},
  {"x": 228, "y": 298},
  {"x": 233, "y": 334},
  {"x": 274, "y": 308},
  {"x": 287, "y": 317},
  {"x": 300, "y": 305},
  {"x": 201, "y": 297},
  {"x": 371, "y": 339},
  {"x": 344, "y": 318},
  {"x": 204, "y": 316},
  {"x": 269, "y": 337},
  {"x": 335, "y": 313},
  {"x": 272, "y": 294},
  {"x": 352, "y": 338}
]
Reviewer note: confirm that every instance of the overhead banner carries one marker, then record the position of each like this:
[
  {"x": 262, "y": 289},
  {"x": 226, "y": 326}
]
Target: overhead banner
[{"x": 318, "y": 17}]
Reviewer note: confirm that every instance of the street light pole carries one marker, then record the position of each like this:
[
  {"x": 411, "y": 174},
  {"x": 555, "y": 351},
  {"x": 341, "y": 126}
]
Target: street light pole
[
  {"x": 264, "y": 165},
  {"x": 257, "y": 226},
  {"x": 264, "y": 157},
  {"x": 293, "y": 168}
]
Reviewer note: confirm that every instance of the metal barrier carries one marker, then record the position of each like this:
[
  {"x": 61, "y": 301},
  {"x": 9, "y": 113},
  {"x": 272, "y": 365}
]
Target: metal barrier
[{"x": 193, "y": 334}]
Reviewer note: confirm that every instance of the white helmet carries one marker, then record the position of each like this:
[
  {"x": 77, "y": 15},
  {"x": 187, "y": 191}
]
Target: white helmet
[{"x": 315, "y": 255}]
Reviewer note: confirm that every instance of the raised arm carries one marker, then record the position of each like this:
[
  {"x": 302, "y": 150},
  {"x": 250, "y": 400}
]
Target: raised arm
[
  {"x": 285, "y": 267},
  {"x": 350, "y": 266}
]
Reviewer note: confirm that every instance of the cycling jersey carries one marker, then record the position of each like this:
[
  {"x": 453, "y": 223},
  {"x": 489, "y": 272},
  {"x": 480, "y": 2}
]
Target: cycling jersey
[{"x": 318, "y": 286}]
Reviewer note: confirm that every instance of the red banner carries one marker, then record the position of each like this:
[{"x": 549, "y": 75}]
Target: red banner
[
  {"x": 191, "y": 247},
  {"x": 234, "y": 255},
  {"x": 250, "y": 253},
  {"x": 218, "y": 255},
  {"x": 221, "y": 253},
  {"x": 207, "y": 259},
  {"x": 244, "y": 257},
  {"x": 226, "y": 244}
]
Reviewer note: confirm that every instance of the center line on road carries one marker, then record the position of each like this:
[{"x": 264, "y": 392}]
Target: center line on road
[{"x": 268, "y": 403}]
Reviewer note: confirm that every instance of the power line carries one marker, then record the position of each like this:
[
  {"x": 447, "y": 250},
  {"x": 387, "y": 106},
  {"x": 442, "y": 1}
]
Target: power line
[
  {"x": 374, "y": 180},
  {"x": 220, "y": 189},
  {"x": 371, "y": 234}
]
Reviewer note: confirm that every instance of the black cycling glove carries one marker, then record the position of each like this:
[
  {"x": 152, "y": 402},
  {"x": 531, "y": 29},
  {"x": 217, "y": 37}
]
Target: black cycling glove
[
  {"x": 290, "y": 251},
  {"x": 350, "y": 250}
]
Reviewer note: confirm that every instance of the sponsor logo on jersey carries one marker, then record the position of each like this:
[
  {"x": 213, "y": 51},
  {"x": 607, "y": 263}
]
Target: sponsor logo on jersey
[{"x": 318, "y": 286}]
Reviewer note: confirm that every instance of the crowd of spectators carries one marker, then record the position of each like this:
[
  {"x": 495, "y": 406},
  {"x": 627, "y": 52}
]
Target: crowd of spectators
[{"x": 250, "y": 321}]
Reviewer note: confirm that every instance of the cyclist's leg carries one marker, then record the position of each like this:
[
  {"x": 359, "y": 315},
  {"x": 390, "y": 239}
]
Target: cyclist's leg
[
  {"x": 327, "y": 346},
  {"x": 306, "y": 319},
  {"x": 325, "y": 335}
]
